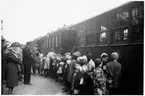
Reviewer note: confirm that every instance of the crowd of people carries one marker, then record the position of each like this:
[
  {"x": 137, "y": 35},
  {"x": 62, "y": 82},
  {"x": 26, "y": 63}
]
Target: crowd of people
[{"x": 79, "y": 74}]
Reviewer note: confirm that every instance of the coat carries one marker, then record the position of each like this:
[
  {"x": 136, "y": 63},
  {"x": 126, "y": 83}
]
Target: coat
[
  {"x": 49, "y": 57},
  {"x": 114, "y": 73},
  {"x": 27, "y": 56},
  {"x": 71, "y": 70},
  {"x": 12, "y": 70}
]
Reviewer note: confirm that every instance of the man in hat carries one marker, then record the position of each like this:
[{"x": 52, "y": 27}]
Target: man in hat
[{"x": 27, "y": 61}]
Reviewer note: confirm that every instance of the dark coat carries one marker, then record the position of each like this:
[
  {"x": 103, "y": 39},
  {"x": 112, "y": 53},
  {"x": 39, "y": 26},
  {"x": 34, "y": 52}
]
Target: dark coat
[
  {"x": 12, "y": 70},
  {"x": 27, "y": 61},
  {"x": 27, "y": 56},
  {"x": 87, "y": 86},
  {"x": 114, "y": 72},
  {"x": 114, "y": 69}
]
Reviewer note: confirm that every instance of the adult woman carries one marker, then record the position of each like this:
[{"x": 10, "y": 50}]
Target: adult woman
[{"x": 14, "y": 57}]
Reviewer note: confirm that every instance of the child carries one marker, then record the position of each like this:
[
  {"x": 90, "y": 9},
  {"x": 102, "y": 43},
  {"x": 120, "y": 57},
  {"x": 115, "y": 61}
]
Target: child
[{"x": 60, "y": 71}]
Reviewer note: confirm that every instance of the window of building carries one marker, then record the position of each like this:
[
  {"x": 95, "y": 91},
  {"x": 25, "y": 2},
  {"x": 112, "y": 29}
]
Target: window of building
[
  {"x": 120, "y": 19},
  {"x": 121, "y": 35}
]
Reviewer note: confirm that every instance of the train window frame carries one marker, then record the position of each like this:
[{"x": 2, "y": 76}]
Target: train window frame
[
  {"x": 56, "y": 41},
  {"x": 137, "y": 15},
  {"x": 104, "y": 42},
  {"x": 49, "y": 42},
  {"x": 137, "y": 36},
  {"x": 93, "y": 41},
  {"x": 104, "y": 29},
  {"x": 81, "y": 40},
  {"x": 123, "y": 19},
  {"x": 59, "y": 38},
  {"x": 52, "y": 42},
  {"x": 118, "y": 37}
]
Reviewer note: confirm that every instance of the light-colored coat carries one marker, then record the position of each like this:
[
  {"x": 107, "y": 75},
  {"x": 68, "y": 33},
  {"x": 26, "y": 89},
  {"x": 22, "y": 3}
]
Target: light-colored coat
[{"x": 50, "y": 55}]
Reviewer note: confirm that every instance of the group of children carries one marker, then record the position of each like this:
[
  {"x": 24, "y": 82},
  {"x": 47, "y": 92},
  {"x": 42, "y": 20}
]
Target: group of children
[{"x": 83, "y": 76}]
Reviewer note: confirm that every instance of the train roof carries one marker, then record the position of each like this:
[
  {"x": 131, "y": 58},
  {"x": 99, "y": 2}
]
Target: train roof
[{"x": 106, "y": 12}]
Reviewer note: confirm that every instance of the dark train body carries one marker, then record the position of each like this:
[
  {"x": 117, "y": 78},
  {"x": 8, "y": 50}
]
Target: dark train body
[
  {"x": 63, "y": 38},
  {"x": 121, "y": 30}
]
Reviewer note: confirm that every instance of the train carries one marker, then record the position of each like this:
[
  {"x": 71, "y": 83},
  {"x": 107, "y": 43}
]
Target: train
[{"x": 120, "y": 29}]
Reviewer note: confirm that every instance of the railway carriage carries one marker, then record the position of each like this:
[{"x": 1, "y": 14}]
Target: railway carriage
[
  {"x": 120, "y": 29},
  {"x": 63, "y": 38}
]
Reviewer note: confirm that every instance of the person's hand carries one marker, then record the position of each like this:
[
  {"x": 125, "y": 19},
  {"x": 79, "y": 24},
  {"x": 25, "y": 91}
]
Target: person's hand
[{"x": 104, "y": 67}]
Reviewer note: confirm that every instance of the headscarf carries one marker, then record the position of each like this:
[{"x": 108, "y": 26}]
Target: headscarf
[
  {"x": 16, "y": 50},
  {"x": 104, "y": 55}
]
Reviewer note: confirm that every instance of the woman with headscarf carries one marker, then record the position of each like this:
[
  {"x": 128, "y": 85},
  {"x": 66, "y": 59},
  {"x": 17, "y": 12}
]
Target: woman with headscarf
[{"x": 14, "y": 58}]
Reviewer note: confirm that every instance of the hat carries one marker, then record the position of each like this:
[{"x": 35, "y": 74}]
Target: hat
[{"x": 104, "y": 55}]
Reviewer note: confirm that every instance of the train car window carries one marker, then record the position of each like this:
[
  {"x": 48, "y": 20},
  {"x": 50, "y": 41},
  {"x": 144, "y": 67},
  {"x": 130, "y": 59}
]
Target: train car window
[
  {"x": 52, "y": 41},
  {"x": 49, "y": 42},
  {"x": 44, "y": 43},
  {"x": 42, "y": 46},
  {"x": 90, "y": 39},
  {"x": 120, "y": 19},
  {"x": 103, "y": 37},
  {"x": 104, "y": 30},
  {"x": 137, "y": 15},
  {"x": 137, "y": 24},
  {"x": 137, "y": 33},
  {"x": 120, "y": 35},
  {"x": 59, "y": 38},
  {"x": 81, "y": 40},
  {"x": 56, "y": 41}
]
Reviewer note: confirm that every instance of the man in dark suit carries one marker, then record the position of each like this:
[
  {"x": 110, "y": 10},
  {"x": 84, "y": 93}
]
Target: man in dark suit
[{"x": 27, "y": 61}]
